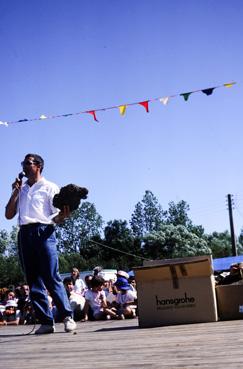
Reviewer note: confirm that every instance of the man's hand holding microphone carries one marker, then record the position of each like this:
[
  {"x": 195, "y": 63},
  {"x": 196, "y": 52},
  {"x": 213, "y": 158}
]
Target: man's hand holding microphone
[{"x": 18, "y": 182}]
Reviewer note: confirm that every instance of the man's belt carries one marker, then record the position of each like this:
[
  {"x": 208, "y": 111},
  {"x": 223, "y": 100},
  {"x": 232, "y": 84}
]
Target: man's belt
[{"x": 30, "y": 225}]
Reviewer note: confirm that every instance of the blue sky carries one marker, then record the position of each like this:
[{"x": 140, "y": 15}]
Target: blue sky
[{"x": 61, "y": 57}]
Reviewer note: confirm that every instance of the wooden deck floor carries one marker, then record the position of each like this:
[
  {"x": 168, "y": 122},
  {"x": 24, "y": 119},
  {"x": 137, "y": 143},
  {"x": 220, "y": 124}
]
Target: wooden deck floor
[{"x": 122, "y": 344}]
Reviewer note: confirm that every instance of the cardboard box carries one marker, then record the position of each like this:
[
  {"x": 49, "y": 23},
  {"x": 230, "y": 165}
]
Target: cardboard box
[
  {"x": 230, "y": 301},
  {"x": 176, "y": 291}
]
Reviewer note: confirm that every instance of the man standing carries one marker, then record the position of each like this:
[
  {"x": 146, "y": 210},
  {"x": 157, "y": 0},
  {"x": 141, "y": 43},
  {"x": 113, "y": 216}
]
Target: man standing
[{"x": 32, "y": 200}]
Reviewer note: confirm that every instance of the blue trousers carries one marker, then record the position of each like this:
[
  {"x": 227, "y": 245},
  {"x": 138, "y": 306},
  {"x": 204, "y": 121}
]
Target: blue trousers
[{"x": 39, "y": 259}]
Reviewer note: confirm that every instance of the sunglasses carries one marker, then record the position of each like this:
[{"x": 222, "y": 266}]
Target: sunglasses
[{"x": 28, "y": 162}]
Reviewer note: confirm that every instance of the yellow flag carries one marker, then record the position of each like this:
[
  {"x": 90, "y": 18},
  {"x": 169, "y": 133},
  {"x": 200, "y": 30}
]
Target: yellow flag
[
  {"x": 229, "y": 84},
  {"x": 122, "y": 109}
]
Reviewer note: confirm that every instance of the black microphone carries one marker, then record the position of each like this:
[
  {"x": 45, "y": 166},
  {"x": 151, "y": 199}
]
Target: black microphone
[{"x": 21, "y": 175}]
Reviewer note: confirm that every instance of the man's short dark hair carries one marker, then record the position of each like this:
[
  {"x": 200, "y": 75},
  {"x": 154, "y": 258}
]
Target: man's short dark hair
[{"x": 37, "y": 159}]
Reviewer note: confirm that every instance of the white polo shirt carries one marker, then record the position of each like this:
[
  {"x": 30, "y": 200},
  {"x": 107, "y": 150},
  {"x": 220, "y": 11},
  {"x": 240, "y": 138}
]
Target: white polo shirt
[{"x": 35, "y": 202}]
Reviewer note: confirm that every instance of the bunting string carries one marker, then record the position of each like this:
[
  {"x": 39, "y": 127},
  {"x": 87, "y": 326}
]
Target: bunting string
[{"x": 121, "y": 107}]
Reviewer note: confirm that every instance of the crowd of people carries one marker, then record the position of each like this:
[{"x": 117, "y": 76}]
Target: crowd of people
[{"x": 92, "y": 299}]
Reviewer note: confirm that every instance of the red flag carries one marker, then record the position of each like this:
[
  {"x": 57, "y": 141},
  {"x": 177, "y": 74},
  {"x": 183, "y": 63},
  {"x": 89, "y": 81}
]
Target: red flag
[
  {"x": 92, "y": 112},
  {"x": 145, "y": 105}
]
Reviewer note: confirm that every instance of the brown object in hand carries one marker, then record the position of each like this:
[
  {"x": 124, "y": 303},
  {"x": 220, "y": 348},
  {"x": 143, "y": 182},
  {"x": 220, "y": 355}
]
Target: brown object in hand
[{"x": 71, "y": 196}]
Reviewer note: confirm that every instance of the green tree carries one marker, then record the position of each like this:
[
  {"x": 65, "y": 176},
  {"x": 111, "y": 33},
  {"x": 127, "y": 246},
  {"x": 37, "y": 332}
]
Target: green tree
[
  {"x": 177, "y": 214},
  {"x": 12, "y": 247},
  {"x": 174, "y": 241},
  {"x": 153, "y": 213},
  {"x": 147, "y": 216},
  {"x": 10, "y": 271},
  {"x": 137, "y": 221},
  {"x": 118, "y": 236},
  {"x": 197, "y": 229},
  {"x": 240, "y": 243},
  {"x": 4, "y": 239},
  {"x": 74, "y": 234},
  {"x": 68, "y": 261},
  {"x": 220, "y": 244}
]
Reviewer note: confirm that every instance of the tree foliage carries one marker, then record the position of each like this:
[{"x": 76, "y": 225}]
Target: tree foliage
[
  {"x": 173, "y": 241},
  {"x": 137, "y": 221},
  {"x": 75, "y": 233},
  {"x": 177, "y": 214},
  {"x": 12, "y": 247},
  {"x": 10, "y": 271},
  {"x": 220, "y": 244},
  {"x": 240, "y": 243},
  {"x": 4, "y": 239},
  {"x": 117, "y": 236},
  {"x": 147, "y": 216}
]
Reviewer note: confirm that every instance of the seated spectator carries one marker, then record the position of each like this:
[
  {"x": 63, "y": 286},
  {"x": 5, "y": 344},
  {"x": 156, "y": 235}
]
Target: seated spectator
[
  {"x": 88, "y": 279},
  {"x": 11, "y": 315},
  {"x": 3, "y": 292},
  {"x": 11, "y": 296},
  {"x": 24, "y": 296},
  {"x": 77, "y": 301},
  {"x": 235, "y": 274},
  {"x": 27, "y": 315},
  {"x": 7, "y": 294},
  {"x": 17, "y": 292},
  {"x": 107, "y": 288},
  {"x": 132, "y": 283},
  {"x": 78, "y": 283},
  {"x": 96, "y": 301},
  {"x": 2, "y": 302},
  {"x": 122, "y": 273},
  {"x": 50, "y": 300},
  {"x": 125, "y": 301},
  {"x": 97, "y": 270},
  {"x": 111, "y": 296}
]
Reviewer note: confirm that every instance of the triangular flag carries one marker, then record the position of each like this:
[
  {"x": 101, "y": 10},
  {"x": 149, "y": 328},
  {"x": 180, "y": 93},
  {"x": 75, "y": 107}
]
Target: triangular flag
[
  {"x": 92, "y": 112},
  {"x": 43, "y": 116},
  {"x": 122, "y": 109},
  {"x": 186, "y": 95},
  {"x": 145, "y": 105},
  {"x": 164, "y": 100},
  {"x": 229, "y": 84},
  {"x": 208, "y": 91}
]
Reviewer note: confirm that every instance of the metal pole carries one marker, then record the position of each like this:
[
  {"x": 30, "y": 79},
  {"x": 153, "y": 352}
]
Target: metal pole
[{"x": 232, "y": 232}]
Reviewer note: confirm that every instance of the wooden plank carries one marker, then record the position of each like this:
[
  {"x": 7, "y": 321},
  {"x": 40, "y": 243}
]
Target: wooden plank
[{"x": 122, "y": 344}]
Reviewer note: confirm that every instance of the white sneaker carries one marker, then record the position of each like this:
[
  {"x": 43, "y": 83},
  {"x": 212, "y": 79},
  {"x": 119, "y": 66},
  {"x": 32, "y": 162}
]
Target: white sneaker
[
  {"x": 69, "y": 324},
  {"x": 45, "y": 328}
]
